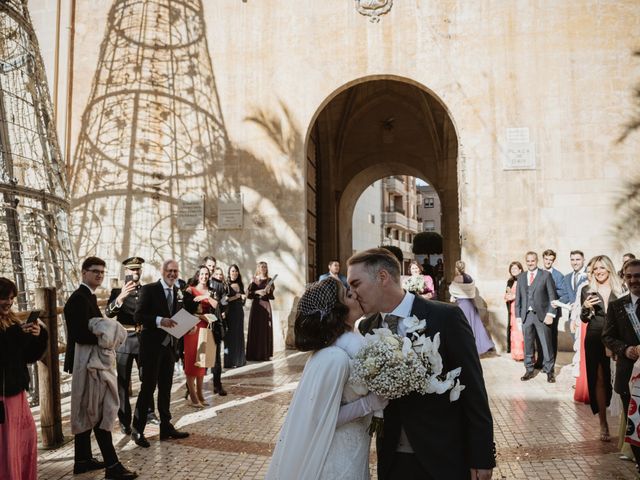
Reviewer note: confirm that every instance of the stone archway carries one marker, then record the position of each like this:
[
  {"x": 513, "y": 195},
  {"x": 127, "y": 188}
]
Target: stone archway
[{"x": 373, "y": 128}]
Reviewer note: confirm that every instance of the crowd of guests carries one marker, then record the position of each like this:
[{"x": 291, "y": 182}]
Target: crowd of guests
[
  {"x": 591, "y": 297},
  {"x": 134, "y": 328}
]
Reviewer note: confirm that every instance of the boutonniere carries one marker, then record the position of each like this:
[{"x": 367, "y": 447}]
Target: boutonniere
[
  {"x": 180, "y": 295},
  {"x": 414, "y": 325}
]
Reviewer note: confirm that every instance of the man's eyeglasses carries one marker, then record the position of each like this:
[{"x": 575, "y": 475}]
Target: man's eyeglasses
[
  {"x": 95, "y": 271},
  {"x": 629, "y": 276}
]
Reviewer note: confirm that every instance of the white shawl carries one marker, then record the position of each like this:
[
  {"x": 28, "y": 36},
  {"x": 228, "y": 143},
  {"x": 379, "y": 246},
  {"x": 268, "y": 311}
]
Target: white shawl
[
  {"x": 463, "y": 290},
  {"x": 308, "y": 430},
  {"x": 94, "y": 385}
]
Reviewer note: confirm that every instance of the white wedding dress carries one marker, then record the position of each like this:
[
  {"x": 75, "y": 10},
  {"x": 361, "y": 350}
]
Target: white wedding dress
[{"x": 310, "y": 446}]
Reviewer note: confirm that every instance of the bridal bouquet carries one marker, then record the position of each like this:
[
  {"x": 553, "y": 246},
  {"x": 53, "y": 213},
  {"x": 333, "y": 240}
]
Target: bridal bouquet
[{"x": 414, "y": 284}]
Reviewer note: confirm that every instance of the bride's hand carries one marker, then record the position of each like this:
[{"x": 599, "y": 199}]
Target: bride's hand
[{"x": 375, "y": 402}]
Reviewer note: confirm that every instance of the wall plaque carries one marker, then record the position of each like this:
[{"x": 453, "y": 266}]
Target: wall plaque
[
  {"x": 230, "y": 212},
  {"x": 520, "y": 152},
  {"x": 191, "y": 214}
]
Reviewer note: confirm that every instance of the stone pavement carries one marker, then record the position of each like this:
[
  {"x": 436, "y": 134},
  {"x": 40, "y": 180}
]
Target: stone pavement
[{"x": 540, "y": 432}]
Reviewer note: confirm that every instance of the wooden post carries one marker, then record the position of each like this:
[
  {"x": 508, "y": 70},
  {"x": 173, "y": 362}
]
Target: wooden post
[{"x": 49, "y": 373}]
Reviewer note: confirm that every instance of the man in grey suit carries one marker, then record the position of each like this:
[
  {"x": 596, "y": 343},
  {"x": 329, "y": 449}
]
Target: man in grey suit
[{"x": 534, "y": 294}]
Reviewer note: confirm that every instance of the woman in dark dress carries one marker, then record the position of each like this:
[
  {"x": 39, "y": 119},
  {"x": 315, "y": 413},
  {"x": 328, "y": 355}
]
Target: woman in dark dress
[
  {"x": 260, "y": 334},
  {"x": 604, "y": 287},
  {"x": 219, "y": 292},
  {"x": 234, "y": 341}
]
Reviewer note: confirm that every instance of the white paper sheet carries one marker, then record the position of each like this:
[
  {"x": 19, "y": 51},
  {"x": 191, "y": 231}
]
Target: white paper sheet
[{"x": 185, "y": 322}]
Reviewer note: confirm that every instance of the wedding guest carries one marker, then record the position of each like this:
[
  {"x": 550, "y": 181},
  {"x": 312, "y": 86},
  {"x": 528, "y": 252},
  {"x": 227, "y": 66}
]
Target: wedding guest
[
  {"x": 260, "y": 334},
  {"x": 19, "y": 345},
  {"x": 581, "y": 392},
  {"x": 605, "y": 286},
  {"x": 220, "y": 294},
  {"x": 234, "y": 340},
  {"x": 417, "y": 271},
  {"x": 625, "y": 258},
  {"x": 463, "y": 291},
  {"x": 198, "y": 288},
  {"x": 515, "y": 338},
  {"x": 334, "y": 271}
]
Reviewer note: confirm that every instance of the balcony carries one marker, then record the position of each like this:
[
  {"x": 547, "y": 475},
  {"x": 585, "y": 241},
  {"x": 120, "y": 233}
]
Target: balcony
[
  {"x": 393, "y": 185},
  {"x": 399, "y": 220}
]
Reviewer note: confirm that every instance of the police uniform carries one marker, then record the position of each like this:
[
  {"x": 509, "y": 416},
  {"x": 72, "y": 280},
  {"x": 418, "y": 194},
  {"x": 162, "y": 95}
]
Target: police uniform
[{"x": 130, "y": 348}]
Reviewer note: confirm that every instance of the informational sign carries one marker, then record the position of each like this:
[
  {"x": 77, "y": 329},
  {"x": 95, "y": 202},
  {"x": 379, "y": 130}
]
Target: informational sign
[
  {"x": 520, "y": 152},
  {"x": 230, "y": 212},
  {"x": 191, "y": 214}
]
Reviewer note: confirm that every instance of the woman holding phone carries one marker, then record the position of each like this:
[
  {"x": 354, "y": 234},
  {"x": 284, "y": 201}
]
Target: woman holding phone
[
  {"x": 20, "y": 344},
  {"x": 260, "y": 334},
  {"x": 604, "y": 287}
]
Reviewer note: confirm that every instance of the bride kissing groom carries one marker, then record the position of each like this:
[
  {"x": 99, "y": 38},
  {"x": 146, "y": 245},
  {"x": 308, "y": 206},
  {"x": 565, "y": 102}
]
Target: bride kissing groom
[{"x": 325, "y": 433}]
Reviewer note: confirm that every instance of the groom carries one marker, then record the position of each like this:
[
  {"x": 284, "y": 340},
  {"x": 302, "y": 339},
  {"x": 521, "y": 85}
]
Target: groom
[{"x": 426, "y": 436}]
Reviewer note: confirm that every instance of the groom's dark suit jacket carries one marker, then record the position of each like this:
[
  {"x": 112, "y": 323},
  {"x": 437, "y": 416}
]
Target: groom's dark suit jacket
[
  {"x": 617, "y": 335},
  {"x": 448, "y": 438}
]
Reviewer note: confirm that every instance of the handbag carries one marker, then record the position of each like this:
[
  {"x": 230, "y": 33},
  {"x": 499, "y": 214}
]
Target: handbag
[{"x": 206, "y": 351}]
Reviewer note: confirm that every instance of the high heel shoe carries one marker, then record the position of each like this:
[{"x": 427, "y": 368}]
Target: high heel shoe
[
  {"x": 204, "y": 403},
  {"x": 199, "y": 406}
]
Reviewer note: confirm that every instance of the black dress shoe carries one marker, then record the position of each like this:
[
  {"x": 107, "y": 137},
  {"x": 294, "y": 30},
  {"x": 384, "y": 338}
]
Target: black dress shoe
[
  {"x": 538, "y": 366},
  {"x": 527, "y": 376},
  {"x": 170, "y": 432},
  {"x": 140, "y": 439},
  {"x": 551, "y": 378},
  {"x": 152, "y": 418},
  {"x": 83, "y": 466},
  {"x": 118, "y": 472},
  {"x": 126, "y": 429}
]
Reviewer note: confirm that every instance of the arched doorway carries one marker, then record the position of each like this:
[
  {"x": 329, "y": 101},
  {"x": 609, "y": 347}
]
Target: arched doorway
[{"x": 373, "y": 128}]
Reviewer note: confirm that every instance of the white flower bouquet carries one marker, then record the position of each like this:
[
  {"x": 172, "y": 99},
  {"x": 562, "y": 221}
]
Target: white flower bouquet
[
  {"x": 392, "y": 366},
  {"x": 414, "y": 284}
]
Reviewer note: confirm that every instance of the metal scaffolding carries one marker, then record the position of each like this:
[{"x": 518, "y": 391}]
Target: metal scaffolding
[{"x": 34, "y": 225}]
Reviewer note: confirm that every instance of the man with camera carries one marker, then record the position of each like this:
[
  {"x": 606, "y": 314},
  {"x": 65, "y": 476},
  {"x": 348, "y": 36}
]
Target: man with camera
[{"x": 122, "y": 305}]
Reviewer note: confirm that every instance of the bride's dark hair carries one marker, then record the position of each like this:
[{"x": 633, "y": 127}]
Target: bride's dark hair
[{"x": 321, "y": 316}]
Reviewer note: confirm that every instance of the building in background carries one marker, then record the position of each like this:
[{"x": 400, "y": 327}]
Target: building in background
[{"x": 429, "y": 209}]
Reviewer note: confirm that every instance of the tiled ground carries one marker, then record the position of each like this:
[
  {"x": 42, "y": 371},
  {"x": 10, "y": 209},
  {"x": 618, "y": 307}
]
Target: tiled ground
[{"x": 540, "y": 432}]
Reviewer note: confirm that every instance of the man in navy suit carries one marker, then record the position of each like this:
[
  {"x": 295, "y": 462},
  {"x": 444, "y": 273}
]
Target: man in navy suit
[
  {"x": 548, "y": 258},
  {"x": 334, "y": 271},
  {"x": 573, "y": 280}
]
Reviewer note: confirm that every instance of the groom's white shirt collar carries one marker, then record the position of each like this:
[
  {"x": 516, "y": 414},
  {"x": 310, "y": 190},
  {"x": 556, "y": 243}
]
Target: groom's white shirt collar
[{"x": 403, "y": 310}]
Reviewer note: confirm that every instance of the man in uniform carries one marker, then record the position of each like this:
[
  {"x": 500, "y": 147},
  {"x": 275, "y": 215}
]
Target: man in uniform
[{"x": 122, "y": 305}]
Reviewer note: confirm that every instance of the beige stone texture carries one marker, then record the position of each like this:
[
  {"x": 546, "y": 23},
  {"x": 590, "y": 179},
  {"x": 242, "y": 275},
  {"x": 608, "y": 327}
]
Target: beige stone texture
[{"x": 564, "y": 70}]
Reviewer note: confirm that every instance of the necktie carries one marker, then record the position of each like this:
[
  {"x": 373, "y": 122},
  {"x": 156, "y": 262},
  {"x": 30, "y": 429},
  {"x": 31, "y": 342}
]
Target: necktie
[
  {"x": 392, "y": 322},
  {"x": 170, "y": 299},
  {"x": 573, "y": 282},
  {"x": 531, "y": 277}
]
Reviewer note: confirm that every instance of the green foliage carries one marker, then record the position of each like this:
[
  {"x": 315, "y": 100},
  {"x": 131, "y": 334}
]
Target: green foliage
[{"x": 427, "y": 243}]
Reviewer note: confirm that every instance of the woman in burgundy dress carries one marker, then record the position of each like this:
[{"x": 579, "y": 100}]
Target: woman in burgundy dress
[
  {"x": 260, "y": 334},
  {"x": 195, "y": 375}
]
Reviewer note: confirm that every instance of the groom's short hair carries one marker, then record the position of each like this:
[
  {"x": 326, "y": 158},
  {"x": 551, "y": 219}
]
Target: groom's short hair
[{"x": 376, "y": 259}]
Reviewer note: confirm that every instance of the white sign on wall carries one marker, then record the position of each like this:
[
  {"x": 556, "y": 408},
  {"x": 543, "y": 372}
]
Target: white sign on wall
[
  {"x": 191, "y": 214},
  {"x": 230, "y": 212},
  {"x": 520, "y": 151}
]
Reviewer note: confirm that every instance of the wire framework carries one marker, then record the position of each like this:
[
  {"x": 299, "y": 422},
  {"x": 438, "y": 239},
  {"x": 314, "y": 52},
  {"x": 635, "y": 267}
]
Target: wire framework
[
  {"x": 36, "y": 248},
  {"x": 152, "y": 135}
]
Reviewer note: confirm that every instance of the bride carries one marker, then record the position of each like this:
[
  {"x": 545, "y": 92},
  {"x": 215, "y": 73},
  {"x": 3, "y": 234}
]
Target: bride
[{"x": 325, "y": 434}]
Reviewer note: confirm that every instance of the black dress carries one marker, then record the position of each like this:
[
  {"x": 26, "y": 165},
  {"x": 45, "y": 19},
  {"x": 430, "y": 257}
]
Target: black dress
[
  {"x": 260, "y": 334},
  {"x": 594, "y": 348},
  {"x": 234, "y": 341}
]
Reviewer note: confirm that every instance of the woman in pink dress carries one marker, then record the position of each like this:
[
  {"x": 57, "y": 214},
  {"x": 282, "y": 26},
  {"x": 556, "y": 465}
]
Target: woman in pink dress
[
  {"x": 19, "y": 345},
  {"x": 416, "y": 270},
  {"x": 195, "y": 375},
  {"x": 515, "y": 339}
]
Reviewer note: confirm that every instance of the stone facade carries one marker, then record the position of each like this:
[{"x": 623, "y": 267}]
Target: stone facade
[{"x": 304, "y": 125}]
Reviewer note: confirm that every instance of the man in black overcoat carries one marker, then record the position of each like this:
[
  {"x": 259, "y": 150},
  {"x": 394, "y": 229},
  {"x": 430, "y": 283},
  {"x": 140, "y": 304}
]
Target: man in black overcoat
[{"x": 426, "y": 437}]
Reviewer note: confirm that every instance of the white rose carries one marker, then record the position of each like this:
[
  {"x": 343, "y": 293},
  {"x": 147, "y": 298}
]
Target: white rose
[
  {"x": 392, "y": 341},
  {"x": 413, "y": 324}
]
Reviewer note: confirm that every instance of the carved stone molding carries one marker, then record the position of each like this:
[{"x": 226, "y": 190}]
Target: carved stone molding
[{"x": 373, "y": 8}]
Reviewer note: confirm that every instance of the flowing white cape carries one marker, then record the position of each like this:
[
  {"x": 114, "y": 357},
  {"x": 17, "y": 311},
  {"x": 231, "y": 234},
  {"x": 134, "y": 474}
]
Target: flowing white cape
[{"x": 310, "y": 425}]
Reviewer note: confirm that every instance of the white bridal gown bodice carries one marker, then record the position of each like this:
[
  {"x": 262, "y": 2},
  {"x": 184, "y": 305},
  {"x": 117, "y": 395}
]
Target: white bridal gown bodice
[{"x": 309, "y": 446}]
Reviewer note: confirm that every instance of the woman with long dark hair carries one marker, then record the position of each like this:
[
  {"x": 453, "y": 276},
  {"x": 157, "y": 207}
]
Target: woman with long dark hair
[
  {"x": 20, "y": 344},
  {"x": 234, "y": 340},
  {"x": 325, "y": 434}
]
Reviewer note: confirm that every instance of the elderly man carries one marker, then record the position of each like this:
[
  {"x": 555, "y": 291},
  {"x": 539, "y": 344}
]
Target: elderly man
[
  {"x": 621, "y": 334},
  {"x": 426, "y": 436},
  {"x": 157, "y": 303}
]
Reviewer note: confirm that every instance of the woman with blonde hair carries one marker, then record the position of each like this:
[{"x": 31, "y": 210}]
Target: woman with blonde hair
[
  {"x": 463, "y": 292},
  {"x": 604, "y": 287},
  {"x": 260, "y": 332},
  {"x": 20, "y": 344}
]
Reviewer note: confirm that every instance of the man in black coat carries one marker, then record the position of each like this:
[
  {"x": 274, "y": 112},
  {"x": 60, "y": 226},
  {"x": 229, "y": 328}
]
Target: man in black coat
[
  {"x": 79, "y": 309},
  {"x": 426, "y": 436},
  {"x": 620, "y": 336},
  {"x": 157, "y": 303},
  {"x": 122, "y": 305},
  {"x": 535, "y": 313}
]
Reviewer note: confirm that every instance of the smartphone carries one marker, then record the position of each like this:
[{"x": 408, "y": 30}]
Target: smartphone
[
  {"x": 128, "y": 278},
  {"x": 33, "y": 316}
]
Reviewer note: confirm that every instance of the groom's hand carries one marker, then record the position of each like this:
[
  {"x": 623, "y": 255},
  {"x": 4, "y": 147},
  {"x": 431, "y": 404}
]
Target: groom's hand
[{"x": 480, "y": 474}]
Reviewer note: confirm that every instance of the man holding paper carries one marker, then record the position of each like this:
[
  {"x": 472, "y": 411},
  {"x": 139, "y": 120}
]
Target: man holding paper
[{"x": 157, "y": 304}]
